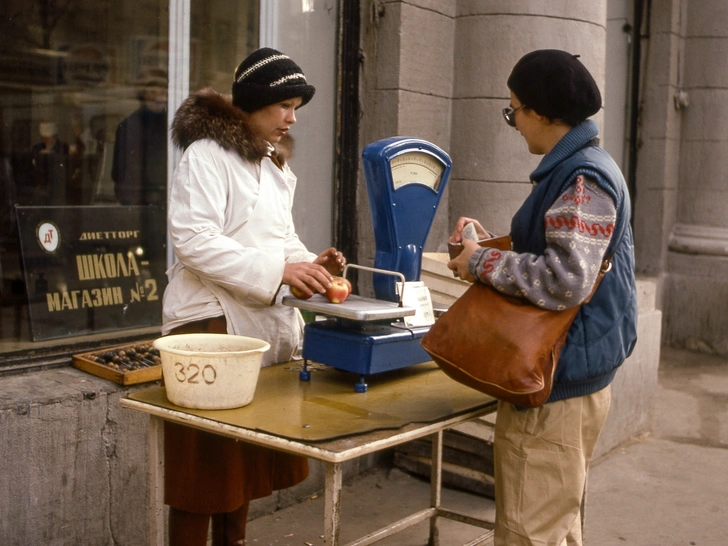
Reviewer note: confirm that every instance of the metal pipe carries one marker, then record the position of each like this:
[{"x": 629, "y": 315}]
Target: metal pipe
[
  {"x": 639, "y": 7},
  {"x": 376, "y": 270},
  {"x": 347, "y": 131}
]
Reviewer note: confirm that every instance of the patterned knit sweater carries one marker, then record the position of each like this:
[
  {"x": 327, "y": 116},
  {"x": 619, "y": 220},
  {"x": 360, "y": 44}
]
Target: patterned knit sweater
[{"x": 579, "y": 227}]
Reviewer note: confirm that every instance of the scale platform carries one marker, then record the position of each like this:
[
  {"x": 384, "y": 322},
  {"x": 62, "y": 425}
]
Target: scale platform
[
  {"x": 360, "y": 335},
  {"x": 352, "y": 308}
]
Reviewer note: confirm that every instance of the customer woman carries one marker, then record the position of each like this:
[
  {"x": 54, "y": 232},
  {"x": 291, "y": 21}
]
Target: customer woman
[
  {"x": 577, "y": 215},
  {"x": 237, "y": 252}
]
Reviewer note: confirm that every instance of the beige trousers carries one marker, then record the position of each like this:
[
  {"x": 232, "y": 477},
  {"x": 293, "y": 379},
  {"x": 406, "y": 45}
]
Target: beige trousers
[{"x": 541, "y": 461}]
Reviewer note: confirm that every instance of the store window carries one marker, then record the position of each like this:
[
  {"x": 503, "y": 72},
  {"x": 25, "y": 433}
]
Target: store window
[{"x": 83, "y": 162}]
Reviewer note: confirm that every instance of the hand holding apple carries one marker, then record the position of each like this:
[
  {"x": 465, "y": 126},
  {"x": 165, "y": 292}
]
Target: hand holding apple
[
  {"x": 300, "y": 294},
  {"x": 306, "y": 279}
]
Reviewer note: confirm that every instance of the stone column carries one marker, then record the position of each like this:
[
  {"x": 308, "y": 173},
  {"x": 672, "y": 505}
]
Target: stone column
[
  {"x": 696, "y": 302},
  {"x": 661, "y": 118},
  {"x": 405, "y": 90},
  {"x": 491, "y": 162}
]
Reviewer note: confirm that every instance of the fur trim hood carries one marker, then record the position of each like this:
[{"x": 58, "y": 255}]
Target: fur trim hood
[{"x": 209, "y": 114}]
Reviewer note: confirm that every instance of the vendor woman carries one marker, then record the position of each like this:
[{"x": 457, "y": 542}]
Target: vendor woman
[{"x": 237, "y": 252}]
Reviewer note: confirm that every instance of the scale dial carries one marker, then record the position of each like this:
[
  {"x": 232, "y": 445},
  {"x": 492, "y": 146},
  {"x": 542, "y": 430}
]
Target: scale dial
[{"x": 416, "y": 168}]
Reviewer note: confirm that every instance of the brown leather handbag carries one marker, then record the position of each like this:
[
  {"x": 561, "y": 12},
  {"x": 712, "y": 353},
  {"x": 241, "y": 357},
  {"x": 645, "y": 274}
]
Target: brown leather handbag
[{"x": 501, "y": 345}]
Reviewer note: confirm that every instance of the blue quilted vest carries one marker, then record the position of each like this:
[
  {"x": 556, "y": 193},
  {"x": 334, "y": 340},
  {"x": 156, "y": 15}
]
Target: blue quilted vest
[{"x": 604, "y": 332}]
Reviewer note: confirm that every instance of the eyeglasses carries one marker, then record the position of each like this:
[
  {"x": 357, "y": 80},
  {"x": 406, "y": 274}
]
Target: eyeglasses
[{"x": 509, "y": 114}]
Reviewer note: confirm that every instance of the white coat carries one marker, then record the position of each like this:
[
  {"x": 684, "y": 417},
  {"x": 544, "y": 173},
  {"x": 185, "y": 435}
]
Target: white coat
[{"x": 232, "y": 231}]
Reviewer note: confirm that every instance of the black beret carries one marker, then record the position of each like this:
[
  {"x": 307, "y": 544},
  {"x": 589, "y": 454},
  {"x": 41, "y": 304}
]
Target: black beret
[
  {"x": 555, "y": 84},
  {"x": 266, "y": 77}
]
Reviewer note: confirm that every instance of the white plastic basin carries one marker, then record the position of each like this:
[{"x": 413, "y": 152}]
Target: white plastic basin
[{"x": 210, "y": 371}]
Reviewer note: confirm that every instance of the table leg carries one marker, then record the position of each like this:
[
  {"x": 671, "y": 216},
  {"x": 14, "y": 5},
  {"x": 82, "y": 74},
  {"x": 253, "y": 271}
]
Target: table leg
[
  {"x": 332, "y": 504},
  {"x": 156, "y": 482},
  {"x": 436, "y": 487}
]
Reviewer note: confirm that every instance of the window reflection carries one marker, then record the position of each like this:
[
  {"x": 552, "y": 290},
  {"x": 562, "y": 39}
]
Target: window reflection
[
  {"x": 83, "y": 123},
  {"x": 69, "y": 74}
]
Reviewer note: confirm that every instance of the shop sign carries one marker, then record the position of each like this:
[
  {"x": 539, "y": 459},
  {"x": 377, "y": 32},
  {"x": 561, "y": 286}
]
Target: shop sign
[
  {"x": 86, "y": 65},
  {"x": 92, "y": 269}
]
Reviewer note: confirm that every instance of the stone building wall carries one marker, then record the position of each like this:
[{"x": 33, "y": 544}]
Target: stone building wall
[{"x": 696, "y": 109}]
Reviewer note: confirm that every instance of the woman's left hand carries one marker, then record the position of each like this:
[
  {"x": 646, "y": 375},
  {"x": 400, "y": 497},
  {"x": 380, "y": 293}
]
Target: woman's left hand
[
  {"x": 457, "y": 235},
  {"x": 459, "y": 265},
  {"x": 332, "y": 260}
]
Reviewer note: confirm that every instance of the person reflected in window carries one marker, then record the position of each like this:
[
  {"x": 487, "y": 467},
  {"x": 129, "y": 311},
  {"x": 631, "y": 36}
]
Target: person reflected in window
[
  {"x": 139, "y": 168},
  {"x": 49, "y": 160},
  {"x": 82, "y": 162}
]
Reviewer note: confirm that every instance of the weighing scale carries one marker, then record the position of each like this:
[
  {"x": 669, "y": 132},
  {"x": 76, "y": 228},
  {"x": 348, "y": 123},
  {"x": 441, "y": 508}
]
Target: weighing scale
[{"x": 405, "y": 179}]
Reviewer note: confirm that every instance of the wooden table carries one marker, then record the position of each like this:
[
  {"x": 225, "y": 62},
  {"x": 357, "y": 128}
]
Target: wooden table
[{"x": 324, "y": 419}]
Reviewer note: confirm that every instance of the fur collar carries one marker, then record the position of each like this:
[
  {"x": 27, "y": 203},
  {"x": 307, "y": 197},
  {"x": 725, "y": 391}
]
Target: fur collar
[{"x": 208, "y": 114}]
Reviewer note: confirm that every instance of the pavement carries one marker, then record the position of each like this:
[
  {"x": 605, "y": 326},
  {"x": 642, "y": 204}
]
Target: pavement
[{"x": 669, "y": 487}]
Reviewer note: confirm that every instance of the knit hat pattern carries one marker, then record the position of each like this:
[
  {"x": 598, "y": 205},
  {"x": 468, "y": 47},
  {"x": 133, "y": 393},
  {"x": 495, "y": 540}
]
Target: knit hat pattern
[
  {"x": 555, "y": 84},
  {"x": 266, "y": 77}
]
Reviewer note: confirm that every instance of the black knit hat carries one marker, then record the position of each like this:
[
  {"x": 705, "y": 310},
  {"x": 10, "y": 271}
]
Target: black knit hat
[
  {"x": 266, "y": 77},
  {"x": 555, "y": 84}
]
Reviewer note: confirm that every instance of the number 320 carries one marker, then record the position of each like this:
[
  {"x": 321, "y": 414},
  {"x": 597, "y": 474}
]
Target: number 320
[{"x": 192, "y": 373}]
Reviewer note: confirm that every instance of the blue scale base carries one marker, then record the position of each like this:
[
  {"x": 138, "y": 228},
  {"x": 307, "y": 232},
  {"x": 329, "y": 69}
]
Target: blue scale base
[{"x": 363, "y": 348}]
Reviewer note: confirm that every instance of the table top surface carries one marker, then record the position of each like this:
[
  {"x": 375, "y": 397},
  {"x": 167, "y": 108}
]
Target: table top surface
[{"x": 326, "y": 415}]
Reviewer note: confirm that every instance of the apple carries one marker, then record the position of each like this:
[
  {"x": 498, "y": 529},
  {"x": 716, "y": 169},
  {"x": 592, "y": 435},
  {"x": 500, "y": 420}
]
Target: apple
[
  {"x": 300, "y": 294},
  {"x": 339, "y": 290}
]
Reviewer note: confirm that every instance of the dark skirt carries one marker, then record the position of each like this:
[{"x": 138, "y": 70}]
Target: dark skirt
[{"x": 209, "y": 474}]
